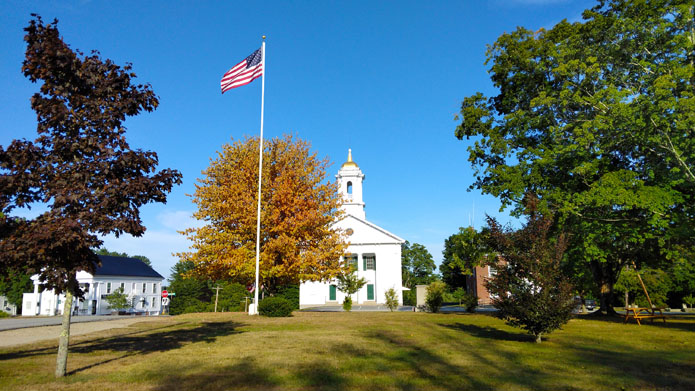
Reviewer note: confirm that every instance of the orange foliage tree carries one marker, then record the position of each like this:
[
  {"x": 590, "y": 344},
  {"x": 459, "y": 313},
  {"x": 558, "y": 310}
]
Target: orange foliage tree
[{"x": 298, "y": 208}]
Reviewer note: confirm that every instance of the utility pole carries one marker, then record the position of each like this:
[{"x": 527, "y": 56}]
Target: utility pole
[{"x": 217, "y": 293}]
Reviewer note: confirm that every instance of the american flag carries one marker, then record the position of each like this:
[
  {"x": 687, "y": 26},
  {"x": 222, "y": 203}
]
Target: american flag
[{"x": 244, "y": 72}]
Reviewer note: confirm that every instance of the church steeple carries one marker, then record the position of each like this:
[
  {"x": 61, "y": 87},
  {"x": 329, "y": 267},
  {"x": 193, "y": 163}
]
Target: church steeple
[{"x": 350, "y": 178}]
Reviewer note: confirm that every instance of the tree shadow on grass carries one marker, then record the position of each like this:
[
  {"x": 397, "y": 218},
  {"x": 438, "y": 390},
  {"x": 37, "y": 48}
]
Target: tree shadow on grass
[
  {"x": 246, "y": 375},
  {"x": 18, "y": 352},
  {"x": 139, "y": 342},
  {"x": 490, "y": 332},
  {"x": 651, "y": 369}
]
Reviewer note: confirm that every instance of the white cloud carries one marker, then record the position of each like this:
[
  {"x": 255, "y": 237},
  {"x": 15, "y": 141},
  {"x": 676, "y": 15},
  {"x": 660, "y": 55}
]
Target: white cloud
[{"x": 179, "y": 220}]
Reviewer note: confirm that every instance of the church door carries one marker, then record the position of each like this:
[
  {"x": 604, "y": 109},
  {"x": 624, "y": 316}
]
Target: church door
[
  {"x": 332, "y": 293},
  {"x": 370, "y": 292}
]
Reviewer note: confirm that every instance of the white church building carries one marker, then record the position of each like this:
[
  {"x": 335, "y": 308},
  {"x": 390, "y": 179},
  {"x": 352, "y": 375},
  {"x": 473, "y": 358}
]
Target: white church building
[{"x": 374, "y": 252}]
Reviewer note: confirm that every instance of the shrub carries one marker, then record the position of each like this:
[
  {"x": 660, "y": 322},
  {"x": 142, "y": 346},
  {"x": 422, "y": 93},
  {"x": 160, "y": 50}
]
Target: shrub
[
  {"x": 347, "y": 303},
  {"x": 291, "y": 293},
  {"x": 435, "y": 296},
  {"x": 529, "y": 289},
  {"x": 4, "y": 314},
  {"x": 275, "y": 306},
  {"x": 391, "y": 299},
  {"x": 349, "y": 283},
  {"x": 470, "y": 301}
]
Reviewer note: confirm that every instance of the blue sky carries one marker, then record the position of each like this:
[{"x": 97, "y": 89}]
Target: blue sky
[{"x": 384, "y": 78}]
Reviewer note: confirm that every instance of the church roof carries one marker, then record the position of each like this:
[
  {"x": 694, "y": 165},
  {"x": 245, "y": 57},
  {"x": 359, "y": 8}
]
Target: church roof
[
  {"x": 383, "y": 237},
  {"x": 121, "y": 266},
  {"x": 349, "y": 163}
]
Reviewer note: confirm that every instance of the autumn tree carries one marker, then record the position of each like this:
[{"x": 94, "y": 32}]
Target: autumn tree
[
  {"x": 80, "y": 167},
  {"x": 596, "y": 118},
  {"x": 298, "y": 210}
]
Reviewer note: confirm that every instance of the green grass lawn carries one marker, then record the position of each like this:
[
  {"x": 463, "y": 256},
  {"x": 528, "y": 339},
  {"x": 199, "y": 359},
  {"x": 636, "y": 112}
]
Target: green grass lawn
[{"x": 363, "y": 351}]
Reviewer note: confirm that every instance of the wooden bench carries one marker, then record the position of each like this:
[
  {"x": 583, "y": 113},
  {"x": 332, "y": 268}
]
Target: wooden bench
[{"x": 643, "y": 313}]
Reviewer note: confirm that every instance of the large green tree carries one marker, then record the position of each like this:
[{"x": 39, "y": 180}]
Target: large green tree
[
  {"x": 417, "y": 265},
  {"x": 463, "y": 251},
  {"x": 80, "y": 167},
  {"x": 417, "y": 268},
  {"x": 597, "y": 119}
]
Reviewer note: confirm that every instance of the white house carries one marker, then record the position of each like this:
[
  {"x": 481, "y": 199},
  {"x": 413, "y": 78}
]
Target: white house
[
  {"x": 7, "y": 307},
  {"x": 140, "y": 283},
  {"x": 375, "y": 252}
]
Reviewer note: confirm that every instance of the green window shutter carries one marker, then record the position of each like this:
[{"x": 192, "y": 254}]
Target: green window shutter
[
  {"x": 370, "y": 292},
  {"x": 364, "y": 263},
  {"x": 332, "y": 294}
]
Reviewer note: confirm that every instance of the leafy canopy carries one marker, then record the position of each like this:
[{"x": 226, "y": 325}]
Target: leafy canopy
[
  {"x": 597, "y": 119},
  {"x": 463, "y": 251},
  {"x": 298, "y": 209},
  {"x": 80, "y": 166}
]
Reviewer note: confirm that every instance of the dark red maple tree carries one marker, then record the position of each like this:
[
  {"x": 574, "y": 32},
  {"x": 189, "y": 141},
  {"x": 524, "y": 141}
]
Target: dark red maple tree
[{"x": 80, "y": 167}]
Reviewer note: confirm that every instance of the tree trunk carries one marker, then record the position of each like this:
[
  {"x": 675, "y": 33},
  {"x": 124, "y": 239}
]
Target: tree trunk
[
  {"x": 62, "y": 360},
  {"x": 538, "y": 338},
  {"x": 607, "y": 299},
  {"x": 605, "y": 276}
]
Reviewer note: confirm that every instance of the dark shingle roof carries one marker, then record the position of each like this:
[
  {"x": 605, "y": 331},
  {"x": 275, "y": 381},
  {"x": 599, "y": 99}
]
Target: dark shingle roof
[{"x": 120, "y": 266}]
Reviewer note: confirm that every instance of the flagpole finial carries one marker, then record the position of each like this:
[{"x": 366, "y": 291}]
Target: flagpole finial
[{"x": 264, "y": 37}]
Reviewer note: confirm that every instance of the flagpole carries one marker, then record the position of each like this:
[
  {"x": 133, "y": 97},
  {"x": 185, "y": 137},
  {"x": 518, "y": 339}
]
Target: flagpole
[{"x": 260, "y": 175}]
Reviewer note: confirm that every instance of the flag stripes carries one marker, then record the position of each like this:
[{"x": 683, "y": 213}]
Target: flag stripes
[{"x": 244, "y": 72}]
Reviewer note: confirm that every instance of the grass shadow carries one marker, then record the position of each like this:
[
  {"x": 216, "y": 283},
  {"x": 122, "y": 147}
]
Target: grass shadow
[
  {"x": 138, "y": 342},
  {"x": 489, "y": 332}
]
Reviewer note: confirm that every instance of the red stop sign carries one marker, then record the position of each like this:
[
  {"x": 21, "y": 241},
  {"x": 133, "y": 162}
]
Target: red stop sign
[{"x": 165, "y": 293}]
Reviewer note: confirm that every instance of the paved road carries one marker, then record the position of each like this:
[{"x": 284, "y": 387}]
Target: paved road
[{"x": 39, "y": 321}]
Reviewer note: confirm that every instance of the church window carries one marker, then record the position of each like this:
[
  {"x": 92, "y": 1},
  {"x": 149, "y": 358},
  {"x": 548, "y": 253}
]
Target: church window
[
  {"x": 349, "y": 188},
  {"x": 352, "y": 261},
  {"x": 369, "y": 261}
]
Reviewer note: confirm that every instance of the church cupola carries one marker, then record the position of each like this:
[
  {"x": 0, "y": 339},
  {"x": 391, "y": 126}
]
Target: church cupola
[{"x": 350, "y": 178}]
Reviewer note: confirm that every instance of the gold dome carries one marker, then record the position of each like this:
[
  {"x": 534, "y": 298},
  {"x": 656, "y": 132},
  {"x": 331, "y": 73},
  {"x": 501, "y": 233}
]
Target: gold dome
[{"x": 349, "y": 162}]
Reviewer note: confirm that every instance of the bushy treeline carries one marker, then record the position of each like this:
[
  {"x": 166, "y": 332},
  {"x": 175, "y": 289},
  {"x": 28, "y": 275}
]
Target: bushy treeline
[{"x": 198, "y": 295}]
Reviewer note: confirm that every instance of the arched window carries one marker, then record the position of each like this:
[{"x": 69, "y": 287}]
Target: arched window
[{"x": 349, "y": 188}]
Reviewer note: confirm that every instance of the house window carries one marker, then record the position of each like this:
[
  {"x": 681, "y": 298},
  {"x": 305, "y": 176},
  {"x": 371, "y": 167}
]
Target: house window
[
  {"x": 144, "y": 287},
  {"x": 370, "y": 291},
  {"x": 352, "y": 261},
  {"x": 154, "y": 287},
  {"x": 123, "y": 287},
  {"x": 492, "y": 271},
  {"x": 108, "y": 288},
  {"x": 154, "y": 299},
  {"x": 132, "y": 288},
  {"x": 369, "y": 261}
]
